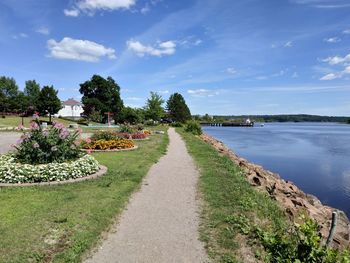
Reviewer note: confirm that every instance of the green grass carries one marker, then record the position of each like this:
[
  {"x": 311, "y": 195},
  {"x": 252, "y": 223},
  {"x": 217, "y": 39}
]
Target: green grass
[
  {"x": 61, "y": 223},
  {"x": 232, "y": 209},
  {"x": 12, "y": 121}
]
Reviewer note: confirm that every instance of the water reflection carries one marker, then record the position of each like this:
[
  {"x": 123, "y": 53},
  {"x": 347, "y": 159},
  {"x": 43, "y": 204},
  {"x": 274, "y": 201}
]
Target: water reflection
[{"x": 315, "y": 156}]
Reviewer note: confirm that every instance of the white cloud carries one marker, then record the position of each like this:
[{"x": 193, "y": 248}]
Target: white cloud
[
  {"x": 231, "y": 70},
  {"x": 144, "y": 10},
  {"x": 77, "y": 49},
  {"x": 346, "y": 31},
  {"x": 162, "y": 48},
  {"x": 288, "y": 44},
  {"x": 337, "y": 60},
  {"x": 189, "y": 41},
  {"x": 330, "y": 76},
  {"x": 347, "y": 70},
  {"x": 332, "y": 40},
  {"x": 72, "y": 12},
  {"x": 203, "y": 92},
  {"x": 91, "y": 6},
  {"x": 20, "y": 35},
  {"x": 163, "y": 91},
  {"x": 43, "y": 30}
]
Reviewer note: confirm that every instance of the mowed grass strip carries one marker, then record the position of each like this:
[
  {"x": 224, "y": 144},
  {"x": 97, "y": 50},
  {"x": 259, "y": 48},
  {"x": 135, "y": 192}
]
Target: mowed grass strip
[
  {"x": 60, "y": 223},
  {"x": 231, "y": 207}
]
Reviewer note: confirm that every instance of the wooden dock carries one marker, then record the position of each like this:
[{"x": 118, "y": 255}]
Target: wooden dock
[{"x": 228, "y": 124}]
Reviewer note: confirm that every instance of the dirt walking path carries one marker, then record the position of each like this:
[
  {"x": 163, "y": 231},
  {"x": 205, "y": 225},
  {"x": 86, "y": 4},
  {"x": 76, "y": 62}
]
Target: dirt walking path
[{"x": 161, "y": 222}]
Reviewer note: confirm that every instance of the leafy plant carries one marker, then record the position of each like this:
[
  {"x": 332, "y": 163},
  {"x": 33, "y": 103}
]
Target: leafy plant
[
  {"x": 54, "y": 144},
  {"x": 126, "y": 128},
  {"x": 108, "y": 145},
  {"x": 193, "y": 127},
  {"x": 103, "y": 135}
]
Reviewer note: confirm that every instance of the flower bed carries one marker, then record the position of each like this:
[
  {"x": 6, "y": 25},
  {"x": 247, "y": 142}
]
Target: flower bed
[
  {"x": 105, "y": 145},
  {"x": 15, "y": 172},
  {"x": 133, "y": 136}
]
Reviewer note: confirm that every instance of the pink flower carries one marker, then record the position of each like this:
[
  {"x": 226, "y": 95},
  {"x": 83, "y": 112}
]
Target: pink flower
[
  {"x": 79, "y": 130},
  {"x": 34, "y": 126},
  {"x": 89, "y": 151},
  {"x": 20, "y": 127},
  {"x": 88, "y": 140},
  {"x": 36, "y": 115},
  {"x": 58, "y": 125},
  {"x": 36, "y": 145}
]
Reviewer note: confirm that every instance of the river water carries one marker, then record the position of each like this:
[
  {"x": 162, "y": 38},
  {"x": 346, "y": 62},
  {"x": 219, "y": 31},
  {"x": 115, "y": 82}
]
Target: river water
[{"x": 315, "y": 156}]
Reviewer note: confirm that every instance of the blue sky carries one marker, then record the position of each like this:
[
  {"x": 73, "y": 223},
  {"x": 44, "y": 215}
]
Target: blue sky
[{"x": 224, "y": 56}]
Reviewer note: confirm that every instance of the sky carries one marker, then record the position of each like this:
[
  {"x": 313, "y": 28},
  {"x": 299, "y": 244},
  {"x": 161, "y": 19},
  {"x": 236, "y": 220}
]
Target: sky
[{"x": 225, "y": 57}]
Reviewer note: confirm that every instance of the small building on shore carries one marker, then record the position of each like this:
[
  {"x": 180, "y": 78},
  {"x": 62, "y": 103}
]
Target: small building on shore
[{"x": 70, "y": 108}]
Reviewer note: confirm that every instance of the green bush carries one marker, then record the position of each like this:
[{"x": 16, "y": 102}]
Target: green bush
[
  {"x": 126, "y": 128},
  {"x": 176, "y": 124},
  {"x": 301, "y": 244},
  {"x": 54, "y": 144},
  {"x": 193, "y": 127},
  {"x": 103, "y": 135}
]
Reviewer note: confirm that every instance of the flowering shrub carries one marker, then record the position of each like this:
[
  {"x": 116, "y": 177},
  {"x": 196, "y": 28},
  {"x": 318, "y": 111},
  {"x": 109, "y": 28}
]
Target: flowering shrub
[
  {"x": 103, "y": 135},
  {"x": 126, "y": 128},
  {"x": 139, "y": 135},
  {"x": 55, "y": 144},
  {"x": 13, "y": 172},
  {"x": 115, "y": 144},
  {"x": 147, "y": 132}
]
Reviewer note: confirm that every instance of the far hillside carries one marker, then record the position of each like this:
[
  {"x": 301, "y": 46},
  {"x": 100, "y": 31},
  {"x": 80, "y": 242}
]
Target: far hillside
[{"x": 279, "y": 118}]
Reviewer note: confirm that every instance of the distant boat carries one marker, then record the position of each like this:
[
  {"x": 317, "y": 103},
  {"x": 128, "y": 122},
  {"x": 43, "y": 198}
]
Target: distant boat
[{"x": 262, "y": 124}]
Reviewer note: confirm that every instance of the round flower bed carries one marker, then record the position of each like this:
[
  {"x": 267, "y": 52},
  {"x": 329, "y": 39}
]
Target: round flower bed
[
  {"x": 15, "y": 172},
  {"x": 106, "y": 145}
]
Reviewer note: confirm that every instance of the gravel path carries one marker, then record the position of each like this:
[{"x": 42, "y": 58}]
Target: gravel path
[
  {"x": 7, "y": 139},
  {"x": 161, "y": 222}
]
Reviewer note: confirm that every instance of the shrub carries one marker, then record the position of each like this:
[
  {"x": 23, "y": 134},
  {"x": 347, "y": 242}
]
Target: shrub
[
  {"x": 13, "y": 172},
  {"x": 103, "y": 135},
  {"x": 126, "y": 128},
  {"x": 108, "y": 145},
  {"x": 176, "y": 124},
  {"x": 301, "y": 244},
  {"x": 193, "y": 127},
  {"x": 139, "y": 135},
  {"x": 54, "y": 144}
]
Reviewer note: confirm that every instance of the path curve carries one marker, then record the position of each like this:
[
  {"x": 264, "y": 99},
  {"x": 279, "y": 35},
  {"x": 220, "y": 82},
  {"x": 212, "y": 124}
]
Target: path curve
[{"x": 161, "y": 221}]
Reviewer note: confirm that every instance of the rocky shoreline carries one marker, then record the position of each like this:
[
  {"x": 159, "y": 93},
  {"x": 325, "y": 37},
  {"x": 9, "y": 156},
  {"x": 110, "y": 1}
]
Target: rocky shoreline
[{"x": 292, "y": 200}]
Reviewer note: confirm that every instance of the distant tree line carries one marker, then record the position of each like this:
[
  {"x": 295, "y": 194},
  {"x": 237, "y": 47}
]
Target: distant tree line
[
  {"x": 101, "y": 100},
  {"x": 273, "y": 118},
  {"x": 32, "y": 99}
]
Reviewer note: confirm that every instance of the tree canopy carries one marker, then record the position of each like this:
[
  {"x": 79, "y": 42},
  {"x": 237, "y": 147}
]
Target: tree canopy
[
  {"x": 177, "y": 108},
  {"x": 32, "y": 92},
  {"x": 101, "y": 95},
  {"x": 154, "y": 109},
  {"x": 48, "y": 102},
  {"x": 8, "y": 93}
]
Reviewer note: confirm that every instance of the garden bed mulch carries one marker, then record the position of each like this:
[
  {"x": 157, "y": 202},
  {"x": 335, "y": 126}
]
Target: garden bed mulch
[{"x": 99, "y": 173}]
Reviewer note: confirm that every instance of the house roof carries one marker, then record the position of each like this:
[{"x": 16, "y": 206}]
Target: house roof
[{"x": 71, "y": 102}]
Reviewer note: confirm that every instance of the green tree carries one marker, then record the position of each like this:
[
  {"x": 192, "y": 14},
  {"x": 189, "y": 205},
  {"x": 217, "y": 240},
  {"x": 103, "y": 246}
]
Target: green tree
[
  {"x": 154, "y": 109},
  {"x": 177, "y": 108},
  {"x": 131, "y": 115},
  {"x": 8, "y": 94},
  {"x": 32, "y": 92},
  {"x": 48, "y": 102},
  {"x": 101, "y": 95}
]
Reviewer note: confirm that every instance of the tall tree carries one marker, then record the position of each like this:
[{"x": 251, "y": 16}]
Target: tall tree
[
  {"x": 101, "y": 95},
  {"x": 48, "y": 101},
  {"x": 154, "y": 109},
  {"x": 32, "y": 92},
  {"x": 8, "y": 93},
  {"x": 131, "y": 115},
  {"x": 177, "y": 108}
]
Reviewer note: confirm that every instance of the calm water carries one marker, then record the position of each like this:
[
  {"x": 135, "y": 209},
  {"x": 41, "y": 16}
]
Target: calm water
[{"x": 315, "y": 156}]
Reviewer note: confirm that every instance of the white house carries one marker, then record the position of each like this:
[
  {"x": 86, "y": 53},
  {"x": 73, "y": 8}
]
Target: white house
[{"x": 71, "y": 108}]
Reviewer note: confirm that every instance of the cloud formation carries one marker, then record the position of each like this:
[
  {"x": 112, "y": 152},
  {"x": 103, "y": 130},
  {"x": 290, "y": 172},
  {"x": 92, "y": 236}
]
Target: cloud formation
[
  {"x": 203, "y": 93},
  {"x": 43, "y": 30},
  {"x": 332, "y": 40},
  {"x": 91, "y": 6},
  {"x": 161, "y": 49},
  {"x": 339, "y": 61},
  {"x": 76, "y": 49}
]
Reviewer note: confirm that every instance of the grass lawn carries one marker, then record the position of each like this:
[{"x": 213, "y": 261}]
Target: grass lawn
[
  {"x": 60, "y": 223},
  {"x": 12, "y": 121},
  {"x": 231, "y": 206}
]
